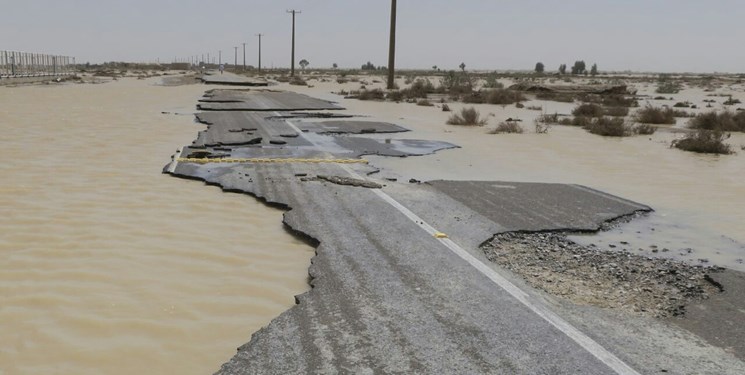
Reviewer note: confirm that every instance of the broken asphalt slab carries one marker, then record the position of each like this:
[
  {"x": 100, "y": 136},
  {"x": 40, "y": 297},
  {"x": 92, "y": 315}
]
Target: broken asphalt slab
[{"x": 262, "y": 100}]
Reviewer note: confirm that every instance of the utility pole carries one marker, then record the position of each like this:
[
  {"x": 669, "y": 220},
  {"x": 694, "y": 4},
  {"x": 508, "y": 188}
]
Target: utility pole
[
  {"x": 236, "y": 57},
  {"x": 244, "y": 57},
  {"x": 219, "y": 59},
  {"x": 292, "y": 64},
  {"x": 392, "y": 47},
  {"x": 259, "y": 35}
]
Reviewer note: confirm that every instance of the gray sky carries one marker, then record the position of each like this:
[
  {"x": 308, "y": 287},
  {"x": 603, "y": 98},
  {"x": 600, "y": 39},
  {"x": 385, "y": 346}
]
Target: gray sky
[{"x": 639, "y": 35}]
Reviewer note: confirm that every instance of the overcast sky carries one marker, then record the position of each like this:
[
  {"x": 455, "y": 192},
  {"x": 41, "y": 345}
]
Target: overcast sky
[{"x": 639, "y": 35}]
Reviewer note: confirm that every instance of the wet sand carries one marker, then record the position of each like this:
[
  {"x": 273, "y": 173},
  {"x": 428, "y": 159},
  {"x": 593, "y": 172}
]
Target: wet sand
[{"x": 110, "y": 267}]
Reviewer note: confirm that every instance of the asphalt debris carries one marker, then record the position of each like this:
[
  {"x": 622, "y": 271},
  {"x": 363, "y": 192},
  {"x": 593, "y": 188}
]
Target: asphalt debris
[{"x": 605, "y": 278}]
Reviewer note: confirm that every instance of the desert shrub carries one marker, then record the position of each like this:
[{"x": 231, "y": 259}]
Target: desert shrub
[
  {"x": 660, "y": 98},
  {"x": 507, "y": 127},
  {"x": 618, "y": 101},
  {"x": 519, "y": 105},
  {"x": 547, "y": 118},
  {"x": 588, "y": 110},
  {"x": 424, "y": 103},
  {"x": 704, "y": 141},
  {"x": 374, "y": 94},
  {"x": 534, "y": 108},
  {"x": 541, "y": 128},
  {"x": 341, "y": 80},
  {"x": 445, "y": 108},
  {"x": 419, "y": 89},
  {"x": 457, "y": 83},
  {"x": 667, "y": 87},
  {"x": 476, "y": 97},
  {"x": 616, "y": 111},
  {"x": 722, "y": 121},
  {"x": 394, "y": 96},
  {"x": 297, "y": 81},
  {"x": 555, "y": 97},
  {"x": 732, "y": 101},
  {"x": 502, "y": 96},
  {"x": 576, "y": 121},
  {"x": 492, "y": 83},
  {"x": 467, "y": 116},
  {"x": 682, "y": 105},
  {"x": 655, "y": 115},
  {"x": 608, "y": 126},
  {"x": 644, "y": 129}
]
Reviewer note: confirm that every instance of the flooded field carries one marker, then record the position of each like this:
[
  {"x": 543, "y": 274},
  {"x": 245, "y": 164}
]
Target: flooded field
[
  {"x": 109, "y": 267},
  {"x": 699, "y": 199}
]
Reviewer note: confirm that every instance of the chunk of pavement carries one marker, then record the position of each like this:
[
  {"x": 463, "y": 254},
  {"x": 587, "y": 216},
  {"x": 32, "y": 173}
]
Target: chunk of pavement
[
  {"x": 289, "y": 135},
  {"x": 350, "y": 181},
  {"x": 277, "y": 141}
]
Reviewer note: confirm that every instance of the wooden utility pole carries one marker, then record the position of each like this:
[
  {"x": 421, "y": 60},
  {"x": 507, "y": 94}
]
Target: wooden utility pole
[
  {"x": 392, "y": 47},
  {"x": 236, "y": 57},
  {"x": 244, "y": 57},
  {"x": 292, "y": 63},
  {"x": 259, "y": 35}
]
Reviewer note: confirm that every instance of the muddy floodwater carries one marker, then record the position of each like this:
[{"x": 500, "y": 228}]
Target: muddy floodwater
[{"x": 108, "y": 266}]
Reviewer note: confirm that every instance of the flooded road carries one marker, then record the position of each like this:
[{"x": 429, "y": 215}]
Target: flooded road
[{"x": 109, "y": 267}]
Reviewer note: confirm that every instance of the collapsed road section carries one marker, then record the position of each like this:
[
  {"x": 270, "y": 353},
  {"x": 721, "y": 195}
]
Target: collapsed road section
[{"x": 399, "y": 284}]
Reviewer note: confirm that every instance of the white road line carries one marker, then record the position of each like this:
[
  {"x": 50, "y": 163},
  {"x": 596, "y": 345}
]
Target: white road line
[
  {"x": 602, "y": 354},
  {"x": 174, "y": 162}
]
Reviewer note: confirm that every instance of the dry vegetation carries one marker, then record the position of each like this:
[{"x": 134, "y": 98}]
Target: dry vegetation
[
  {"x": 467, "y": 116},
  {"x": 705, "y": 142}
]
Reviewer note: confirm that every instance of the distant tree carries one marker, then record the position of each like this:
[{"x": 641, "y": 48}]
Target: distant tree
[
  {"x": 539, "y": 67},
  {"x": 462, "y": 66},
  {"x": 368, "y": 66},
  {"x": 434, "y": 67},
  {"x": 594, "y": 70},
  {"x": 303, "y": 63},
  {"x": 579, "y": 67},
  {"x": 335, "y": 65},
  {"x": 563, "y": 69}
]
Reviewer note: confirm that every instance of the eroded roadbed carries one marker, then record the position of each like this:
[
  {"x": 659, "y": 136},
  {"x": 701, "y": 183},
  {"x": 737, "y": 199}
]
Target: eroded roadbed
[{"x": 394, "y": 284}]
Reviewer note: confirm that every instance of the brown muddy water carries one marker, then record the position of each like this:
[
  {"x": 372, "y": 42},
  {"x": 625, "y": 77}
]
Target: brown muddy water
[{"x": 108, "y": 266}]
